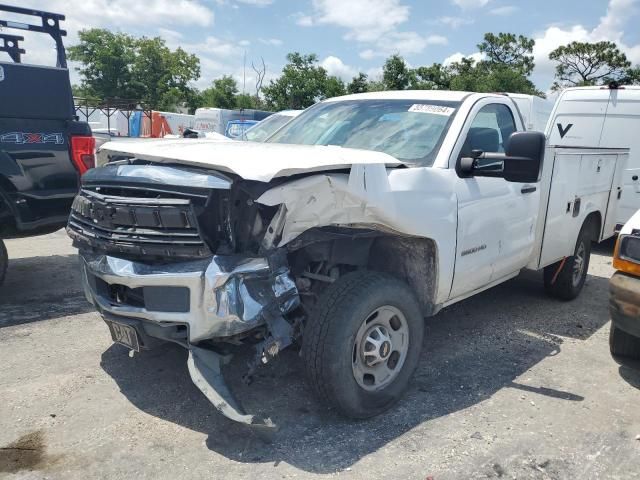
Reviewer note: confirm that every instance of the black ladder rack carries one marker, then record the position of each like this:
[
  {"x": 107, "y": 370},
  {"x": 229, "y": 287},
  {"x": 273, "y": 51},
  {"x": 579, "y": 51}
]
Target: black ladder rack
[{"x": 50, "y": 23}]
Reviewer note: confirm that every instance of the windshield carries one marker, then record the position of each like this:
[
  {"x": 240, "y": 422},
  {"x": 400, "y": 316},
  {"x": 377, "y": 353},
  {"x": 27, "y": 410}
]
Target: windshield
[
  {"x": 409, "y": 130},
  {"x": 264, "y": 129}
]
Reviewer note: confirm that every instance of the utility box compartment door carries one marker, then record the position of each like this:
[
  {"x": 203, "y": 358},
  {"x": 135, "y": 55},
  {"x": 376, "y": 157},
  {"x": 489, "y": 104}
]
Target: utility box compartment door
[
  {"x": 560, "y": 225},
  {"x": 582, "y": 181}
]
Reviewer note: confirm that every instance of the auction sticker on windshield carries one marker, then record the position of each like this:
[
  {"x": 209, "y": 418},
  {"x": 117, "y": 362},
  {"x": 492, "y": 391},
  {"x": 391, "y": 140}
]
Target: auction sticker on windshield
[{"x": 436, "y": 109}]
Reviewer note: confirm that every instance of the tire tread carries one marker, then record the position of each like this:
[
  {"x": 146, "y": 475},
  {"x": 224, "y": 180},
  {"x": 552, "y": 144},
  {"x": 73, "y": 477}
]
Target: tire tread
[{"x": 623, "y": 344}]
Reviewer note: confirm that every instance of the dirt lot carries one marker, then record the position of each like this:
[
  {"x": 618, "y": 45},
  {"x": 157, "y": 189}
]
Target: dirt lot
[{"x": 511, "y": 384}]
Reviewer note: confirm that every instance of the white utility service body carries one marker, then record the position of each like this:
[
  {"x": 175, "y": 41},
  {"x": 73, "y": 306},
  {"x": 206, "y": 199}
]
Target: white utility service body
[
  {"x": 603, "y": 117},
  {"x": 309, "y": 215}
]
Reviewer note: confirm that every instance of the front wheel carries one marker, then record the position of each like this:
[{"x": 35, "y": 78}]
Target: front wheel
[
  {"x": 362, "y": 343},
  {"x": 4, "y": 261},
  {"x": 565, "y": 279}
]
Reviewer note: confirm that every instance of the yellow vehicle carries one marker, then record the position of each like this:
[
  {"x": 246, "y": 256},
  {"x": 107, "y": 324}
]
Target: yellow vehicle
[{"x": 624, "y": 288}]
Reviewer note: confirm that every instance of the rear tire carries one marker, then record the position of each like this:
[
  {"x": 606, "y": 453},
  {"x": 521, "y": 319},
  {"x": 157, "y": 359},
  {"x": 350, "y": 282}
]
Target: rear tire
[
  {"x": 4, "y": 261},
  {"x": 623, "y": 344},
  {"x": 362, "y": 343},
  {"x": 567, "y": 283}
]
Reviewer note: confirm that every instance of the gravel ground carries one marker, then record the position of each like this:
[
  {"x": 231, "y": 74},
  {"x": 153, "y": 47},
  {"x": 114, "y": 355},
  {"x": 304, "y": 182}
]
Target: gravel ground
[{"x": 511, "y": 384}]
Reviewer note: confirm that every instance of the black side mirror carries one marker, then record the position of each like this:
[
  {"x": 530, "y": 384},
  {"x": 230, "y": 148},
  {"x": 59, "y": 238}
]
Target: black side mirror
[
  {"x": 521, "y": 162},
  {"x": 523, "y": 157}
]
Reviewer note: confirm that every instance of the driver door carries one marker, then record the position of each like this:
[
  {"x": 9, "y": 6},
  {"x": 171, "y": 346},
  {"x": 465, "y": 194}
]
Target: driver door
[{"x": 496, "y": 218}]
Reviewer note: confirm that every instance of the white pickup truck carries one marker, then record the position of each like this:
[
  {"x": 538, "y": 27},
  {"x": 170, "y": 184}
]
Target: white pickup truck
[{"x": 352, "y": 223}]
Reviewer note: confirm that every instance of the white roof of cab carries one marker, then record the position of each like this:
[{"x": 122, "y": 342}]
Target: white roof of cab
[
  {"x": 442, "y": 95},
  {"x": 289, "y": 113}
]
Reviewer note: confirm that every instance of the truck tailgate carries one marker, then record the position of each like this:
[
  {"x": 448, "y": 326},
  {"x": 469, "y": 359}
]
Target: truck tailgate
[{"x": 36, "y": 120}]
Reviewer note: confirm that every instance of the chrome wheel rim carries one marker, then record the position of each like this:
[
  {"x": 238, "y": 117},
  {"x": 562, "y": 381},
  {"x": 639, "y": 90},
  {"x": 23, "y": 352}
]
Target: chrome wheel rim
[
  {"x": 380, "y": 348},
  {"x": 578, "y": 264}
]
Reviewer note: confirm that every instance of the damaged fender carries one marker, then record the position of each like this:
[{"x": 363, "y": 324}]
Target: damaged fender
[
  {"x": 371, "y": 196},
  {"x": 362, "y": 198}
]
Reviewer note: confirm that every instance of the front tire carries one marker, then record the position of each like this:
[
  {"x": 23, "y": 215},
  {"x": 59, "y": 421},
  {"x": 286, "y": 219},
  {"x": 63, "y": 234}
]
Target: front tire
[
  {"x": 565, "y": 279},
  {"x": 623, "y": 344},
  {"x": 4, "y": 261},
  {"x": 362, "y": 343}
]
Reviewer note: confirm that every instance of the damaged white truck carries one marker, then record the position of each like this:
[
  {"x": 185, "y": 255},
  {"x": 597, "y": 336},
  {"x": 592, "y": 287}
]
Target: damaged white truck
[{"x": 340, "y": 234}]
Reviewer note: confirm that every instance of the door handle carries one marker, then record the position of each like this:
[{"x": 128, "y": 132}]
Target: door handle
[{"x": 528, "y": 189}]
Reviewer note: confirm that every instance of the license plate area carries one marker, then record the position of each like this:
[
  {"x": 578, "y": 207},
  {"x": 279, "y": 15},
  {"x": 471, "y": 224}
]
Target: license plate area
[{"x": 124, "y": 335}]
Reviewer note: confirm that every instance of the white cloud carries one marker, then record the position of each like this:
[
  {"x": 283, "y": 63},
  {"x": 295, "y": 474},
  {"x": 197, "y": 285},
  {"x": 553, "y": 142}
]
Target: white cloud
[
  {"x": 257, "y": 3},
  {"x": 404, "y": 43},
  {"x": 458, "y": 56},
  {"x": 213, "y": 46},
  {"x": 610, "y": 28},
  {"x": 374, "y": 74},
  {"x": 275, "y": 42},
  {"x": 365, "y": 20},
  {"x": 301, "y": 19},
  {"x": 125, "y": 12},
  {"x": 436, "y": 40},
  {"x": 470, "y": 4},
  {"x": 504, "y": 11},
  {"x": 336, "y": 67},
  {"x": 171, "y": 36},
  {"x": 611, "y": 25},
  {"x": 372, "y": 23},
  {"x": 233, "y": 3},
  {"x": 166, "y": 15},
  {"x": 454, "y": 22}
]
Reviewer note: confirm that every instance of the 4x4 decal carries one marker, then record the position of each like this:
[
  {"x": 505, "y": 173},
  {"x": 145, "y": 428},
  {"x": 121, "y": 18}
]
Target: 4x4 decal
[{"x": 24, "y": 137}]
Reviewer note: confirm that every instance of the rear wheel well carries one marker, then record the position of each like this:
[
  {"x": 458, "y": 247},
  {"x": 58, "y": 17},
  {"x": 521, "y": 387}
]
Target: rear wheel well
[{"x": 594, "y": 222}]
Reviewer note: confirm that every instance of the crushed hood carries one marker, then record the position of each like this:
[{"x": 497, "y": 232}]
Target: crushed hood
[{"x": 250, "y": 161}]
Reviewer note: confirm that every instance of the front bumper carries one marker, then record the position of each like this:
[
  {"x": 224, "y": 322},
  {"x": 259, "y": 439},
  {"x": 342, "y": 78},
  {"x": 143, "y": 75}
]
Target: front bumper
[
  {"x": 217, "y": 297},
  {"x": 624, "y": 302}
]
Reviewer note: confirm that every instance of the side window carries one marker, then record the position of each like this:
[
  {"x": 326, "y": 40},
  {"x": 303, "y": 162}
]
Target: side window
[{"x": 489, "y": 130}]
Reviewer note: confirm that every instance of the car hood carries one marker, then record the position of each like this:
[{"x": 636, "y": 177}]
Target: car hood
[{"x": 250, "y": 161}]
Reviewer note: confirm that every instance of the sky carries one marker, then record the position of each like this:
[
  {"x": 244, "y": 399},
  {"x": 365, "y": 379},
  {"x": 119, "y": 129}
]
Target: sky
[{"x": 348, "y": 36}]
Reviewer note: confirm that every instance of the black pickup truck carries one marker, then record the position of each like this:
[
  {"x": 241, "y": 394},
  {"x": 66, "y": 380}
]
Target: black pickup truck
[{"x": 43, "y": 148}]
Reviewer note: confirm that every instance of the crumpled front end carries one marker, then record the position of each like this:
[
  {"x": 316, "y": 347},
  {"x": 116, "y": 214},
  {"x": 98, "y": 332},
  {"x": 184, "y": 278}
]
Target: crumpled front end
[
  {"x": 213, "y": 298},
  {"x": 171, "y": 254}
]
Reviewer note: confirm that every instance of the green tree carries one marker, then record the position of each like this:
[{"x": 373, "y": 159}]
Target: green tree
[
  {"x": 105, "y": 60},
  {"x": 509, "y": 50},
  {"x": 358, "y": 83},
  {"x": 632, "y": 76},
  {"x": 375, "y": 86},
  {"x": 117, "y": 65},
  {"x": 472, "y": 76},
  {"x": 433, "y": 77},
  {"x": 221, "y": 94},
  {"x": 396, "y": 75},
  {"x": 333, "y": 87},
  {"x": 244, "y": 100},
  {"x": 464, "y": 75},
  {"x": 581, "y": 63},
  {"x": 161, "y": 76},
  {"x": 302, "y": 83}
]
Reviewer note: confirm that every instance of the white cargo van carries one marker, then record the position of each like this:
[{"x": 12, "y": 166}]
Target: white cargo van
[
  {"x": 603, "y": 117},
  {"x": 535, "y": 110},
  {"x": 217, "y": 119}
]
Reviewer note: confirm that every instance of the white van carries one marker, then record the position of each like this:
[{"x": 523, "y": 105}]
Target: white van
[
  {"x": 535, "y": 110},
  {"x": 607, "y": 118}
]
